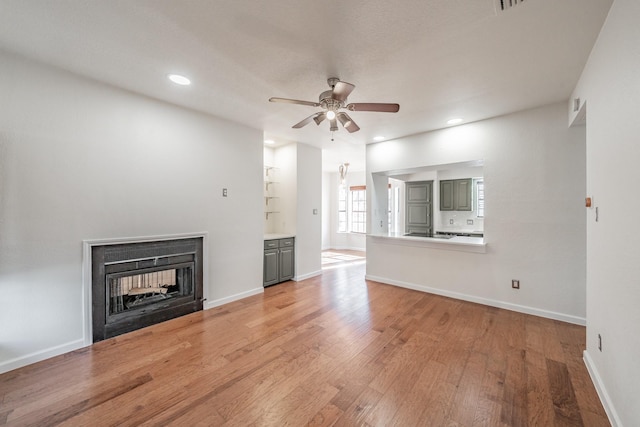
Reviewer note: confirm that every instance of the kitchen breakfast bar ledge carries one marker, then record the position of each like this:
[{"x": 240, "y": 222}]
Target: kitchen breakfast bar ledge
[{"x": 457, "y": 243}]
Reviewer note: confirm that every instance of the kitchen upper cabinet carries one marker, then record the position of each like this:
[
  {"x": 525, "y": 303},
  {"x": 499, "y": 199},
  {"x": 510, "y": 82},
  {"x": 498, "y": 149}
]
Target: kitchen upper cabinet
[
  {"x": 462, "y": 194},
  {"x": 419, "y": 207},
  {"x": 455, "y": 194},
  {"x": 446, "y": 195}
]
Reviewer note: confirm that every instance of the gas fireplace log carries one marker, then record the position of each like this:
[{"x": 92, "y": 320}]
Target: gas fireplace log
[{"x": 141, "y": 291}]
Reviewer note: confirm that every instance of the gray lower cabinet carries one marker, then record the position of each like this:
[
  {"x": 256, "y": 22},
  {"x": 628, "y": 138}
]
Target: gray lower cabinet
[
  {"x": 279, "y": 259},
  {"x": 455, "y": 194},
  {"x": 271, "y": 266}
]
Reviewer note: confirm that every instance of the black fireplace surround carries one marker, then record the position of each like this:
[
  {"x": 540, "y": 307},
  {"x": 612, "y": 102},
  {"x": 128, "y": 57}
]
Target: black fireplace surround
[{"x": 135, "y": 285}]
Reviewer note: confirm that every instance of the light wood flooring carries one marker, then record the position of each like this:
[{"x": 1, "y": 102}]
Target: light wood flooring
[{"x": 331, "y": 350}]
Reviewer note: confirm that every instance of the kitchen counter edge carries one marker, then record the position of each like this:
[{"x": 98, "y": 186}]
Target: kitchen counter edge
[
  {"x": 458, "y": 243},
  {"x": 274, "y": 236}
]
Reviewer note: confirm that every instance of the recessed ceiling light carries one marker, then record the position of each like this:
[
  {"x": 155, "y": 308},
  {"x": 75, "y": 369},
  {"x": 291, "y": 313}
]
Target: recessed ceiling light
[
  {"x": 179, "y": 80},
  {"x": 454, "y": 121},
  {"x": 378, "y": 138},
  {"x": 269, "y": 141}
]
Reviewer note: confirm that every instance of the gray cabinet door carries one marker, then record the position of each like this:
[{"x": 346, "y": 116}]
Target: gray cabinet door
[
  {"x": 455, "y": 194},
  {"x": 419, "y": 207},
  {"x": 286, "y": 263},
  {"x": 462, "y": 193},
  {"x": 446, "y": 195},
  {"x": 271, "y": 271}
]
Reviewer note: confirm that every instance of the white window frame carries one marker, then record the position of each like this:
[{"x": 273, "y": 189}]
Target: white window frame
[
  {"x": 358, "y": 209},
  {"x": 343, "y": 215},
  {"x": 479, "y": 188}
]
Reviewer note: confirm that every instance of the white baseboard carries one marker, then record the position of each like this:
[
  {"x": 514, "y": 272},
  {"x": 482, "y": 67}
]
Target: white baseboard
[
  {"x": 614, "y": 419},
  {"x": 486, "y": 301},
  {"x": 38, "y": 356},
  {"x": 218, "y": 302},
  {"x": 308, "y": 275}
]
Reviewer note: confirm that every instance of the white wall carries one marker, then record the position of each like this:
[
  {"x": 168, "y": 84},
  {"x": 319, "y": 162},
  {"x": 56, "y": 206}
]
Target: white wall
[
  {"x": 610, "y": 86},
  {"x": 286, "y": 160},
  {"x": 534, "y": 172},
  {"x": 80, "y": 160},
  {"x": 309, "y": 224},
  {"x": 299, "y": 191},
  {"x": 327, "y": 209}
]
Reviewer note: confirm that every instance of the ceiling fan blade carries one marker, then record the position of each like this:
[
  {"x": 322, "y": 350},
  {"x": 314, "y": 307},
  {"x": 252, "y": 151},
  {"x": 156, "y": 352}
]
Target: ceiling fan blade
[
  {"x": 320, "y": 118},
  {"x": 348, "y": 123},
  {"x": 372, "y": 106},
  {"x": 305, "y": 121},
  {"x": 294, "y": 101},
  {"x": 341, "y": 90}
]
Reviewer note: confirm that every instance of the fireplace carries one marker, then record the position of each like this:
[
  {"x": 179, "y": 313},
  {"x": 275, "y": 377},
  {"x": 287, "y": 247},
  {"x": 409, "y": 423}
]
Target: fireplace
[{"x": 138, "y": 284}]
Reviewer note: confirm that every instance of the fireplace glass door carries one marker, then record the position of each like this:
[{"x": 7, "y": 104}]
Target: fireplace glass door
[{"x": 140, "y": 288}]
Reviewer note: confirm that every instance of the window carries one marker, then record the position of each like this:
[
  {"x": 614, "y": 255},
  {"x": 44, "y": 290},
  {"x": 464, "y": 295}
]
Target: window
[
  {"x": 358, "y": 209},
  {"x": 352, "y": 209},
  {"x": 389, "y": 206},
  {"x": 342, "y": 209},
  {"x": 480, "y": 197}
]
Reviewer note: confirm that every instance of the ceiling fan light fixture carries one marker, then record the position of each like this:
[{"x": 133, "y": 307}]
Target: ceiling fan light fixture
[
  {"x": 331, "y": 115},
  {"x": 319, "y": 118},
  {"x": 344, "y": 120}
]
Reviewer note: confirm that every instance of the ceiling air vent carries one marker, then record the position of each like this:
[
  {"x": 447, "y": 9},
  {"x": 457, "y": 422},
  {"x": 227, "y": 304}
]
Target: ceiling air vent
[{"x": 506, "y": 4}]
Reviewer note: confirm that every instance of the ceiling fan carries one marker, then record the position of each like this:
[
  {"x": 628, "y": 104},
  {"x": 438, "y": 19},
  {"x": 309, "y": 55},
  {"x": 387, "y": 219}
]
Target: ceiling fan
[{"x": 332, "y": 101}]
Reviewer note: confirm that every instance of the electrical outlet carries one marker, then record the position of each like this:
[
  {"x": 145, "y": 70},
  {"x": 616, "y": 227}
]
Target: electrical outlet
[
  {"x": 224, "y": 192},
  {"x": 599, "y": 342},
  {"x": 469, "y": 222},
  {"x": 450, "y": 221},
  {"x": 515, "y": 284}
]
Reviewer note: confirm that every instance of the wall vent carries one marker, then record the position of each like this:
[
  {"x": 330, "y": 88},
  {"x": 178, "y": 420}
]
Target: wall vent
[{"x": 506, "y": 4}]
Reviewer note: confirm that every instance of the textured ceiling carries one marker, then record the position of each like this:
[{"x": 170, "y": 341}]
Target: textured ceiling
[{"x": 437, "y": 58}]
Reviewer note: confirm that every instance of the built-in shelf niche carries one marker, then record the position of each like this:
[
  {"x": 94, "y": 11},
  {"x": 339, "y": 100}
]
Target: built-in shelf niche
[{"x": 271, "y": 196}]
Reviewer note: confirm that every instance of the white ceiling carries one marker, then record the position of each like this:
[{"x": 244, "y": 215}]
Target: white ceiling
[{"x": 437, "y": 58}]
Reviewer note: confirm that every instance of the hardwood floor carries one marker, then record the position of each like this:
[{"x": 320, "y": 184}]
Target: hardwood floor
[{"x": 331, "y": 350}]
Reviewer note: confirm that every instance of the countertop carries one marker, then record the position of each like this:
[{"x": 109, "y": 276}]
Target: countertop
[
  {"x": 273, "y": 236},
  {"x": 457, "y": 243}
]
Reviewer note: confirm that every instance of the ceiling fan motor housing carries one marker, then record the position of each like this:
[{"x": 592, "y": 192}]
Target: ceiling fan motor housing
[{"x": 328, "y": 102}]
